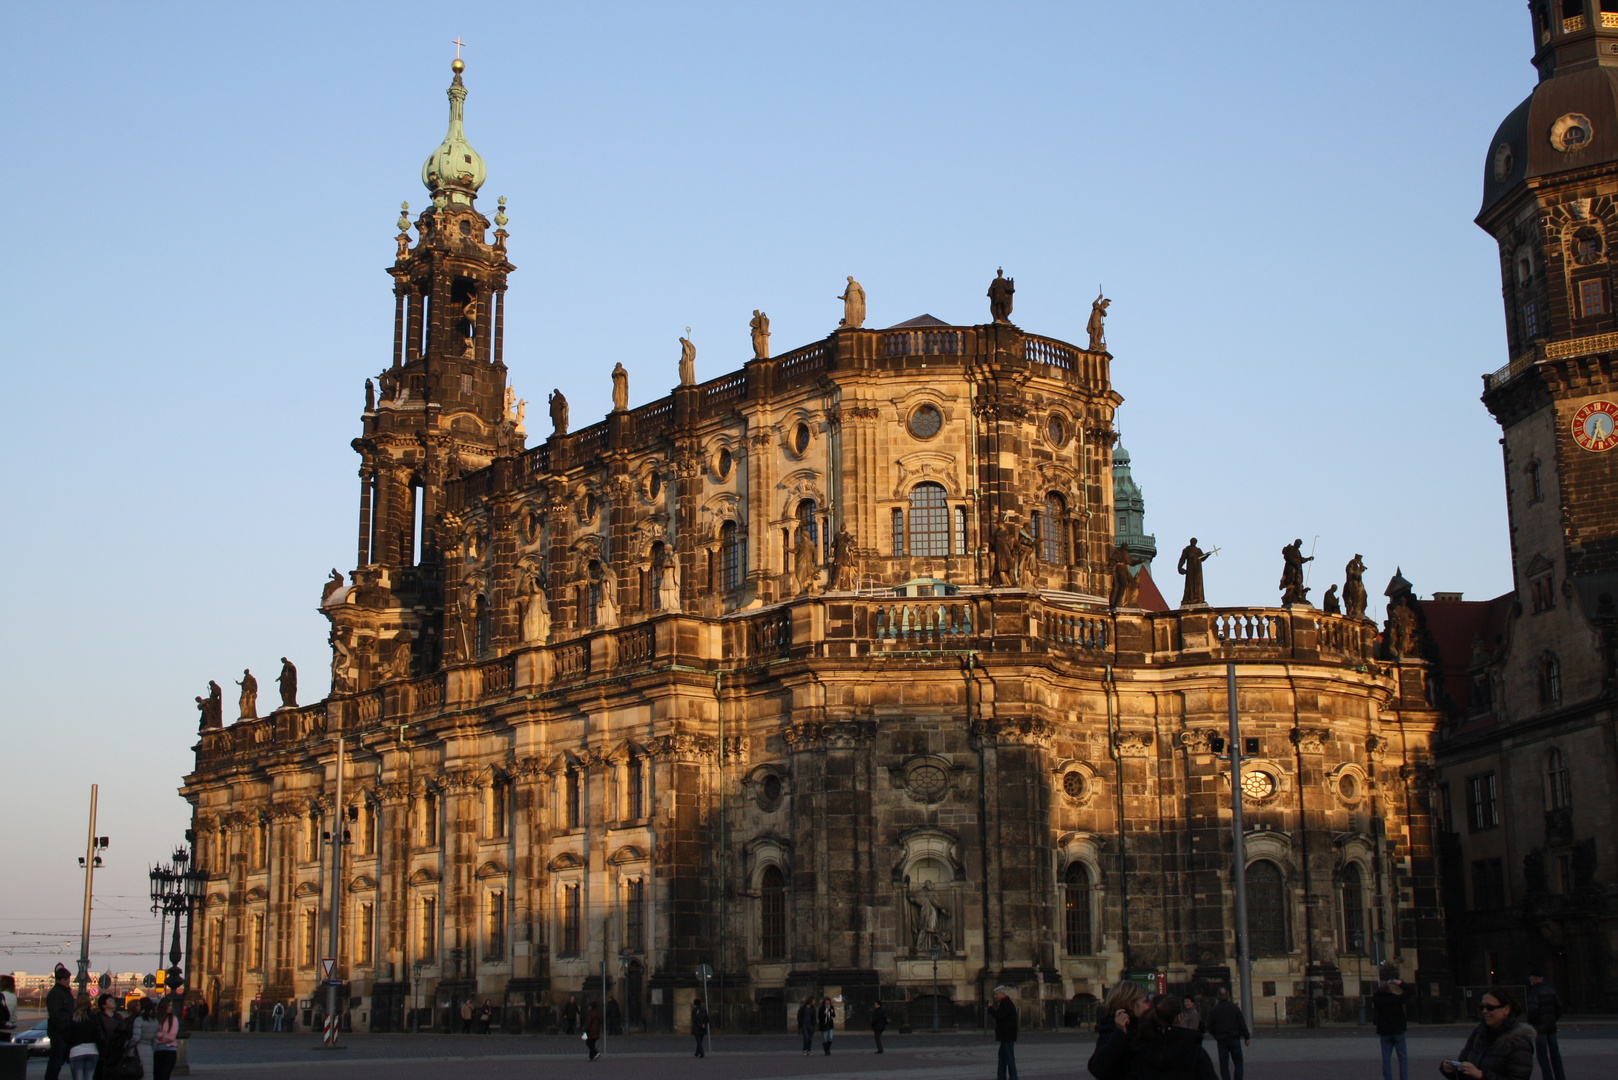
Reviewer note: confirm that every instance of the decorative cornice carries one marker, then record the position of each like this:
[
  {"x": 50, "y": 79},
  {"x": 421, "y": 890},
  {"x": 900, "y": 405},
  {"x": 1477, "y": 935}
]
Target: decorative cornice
[
  {"x": 1199, "y": 740},
  {"x": 1014, "y": 730},
  {"x": 829, "y": 735}
]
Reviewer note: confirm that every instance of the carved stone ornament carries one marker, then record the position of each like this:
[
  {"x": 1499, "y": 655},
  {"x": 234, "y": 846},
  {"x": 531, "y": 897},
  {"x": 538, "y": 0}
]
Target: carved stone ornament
[
  {"x": 1199, "y": 740},
  {"x": 834, "y": 735},
  {"x": 394, "y": 792},
  {"x": 1135, "y": 743},
  {"x": 685, "y": 746},
  {"x": 1375, "y": 745},
  {"x": 1023, "y": 730},
  {"x": 1310, "y": 740}
]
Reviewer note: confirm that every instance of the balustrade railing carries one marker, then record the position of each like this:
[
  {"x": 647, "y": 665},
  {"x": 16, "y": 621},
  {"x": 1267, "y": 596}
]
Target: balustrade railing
[
  {"x": 921, "y": 624},
  {"x": 1055, "y": 353},
  {"x": 572, "y": 661},
  {"x": 1080, "y": 631},
  {"x": 649, "y": 421},
  {"x": 428, "y": 693},
  {"x": 720, "y": 391},
  {"x": 1247, "y": 628},
  {"x": 801, "y": 363},
  {"x": 637, "y": 645},
  {"x": 924, "y": 343},
  {"x": 769, "y": 634}
]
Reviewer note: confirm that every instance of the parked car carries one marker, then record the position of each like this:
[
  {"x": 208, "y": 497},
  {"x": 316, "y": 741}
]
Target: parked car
[{"x": 36, "y": 1038}]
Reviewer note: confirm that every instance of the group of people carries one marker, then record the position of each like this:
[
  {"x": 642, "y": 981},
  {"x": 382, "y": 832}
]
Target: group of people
[
  {"x": 820, "y": 1014},
  {"x": 97, "y": 1037}
]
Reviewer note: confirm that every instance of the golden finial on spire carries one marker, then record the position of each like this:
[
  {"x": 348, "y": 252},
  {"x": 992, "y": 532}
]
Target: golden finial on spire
[{"x": 459, "y": 65}]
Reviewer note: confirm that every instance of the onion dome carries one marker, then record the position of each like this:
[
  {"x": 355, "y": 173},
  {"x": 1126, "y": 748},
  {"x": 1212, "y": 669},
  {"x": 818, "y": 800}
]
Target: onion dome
[{"x": 454, "y": 171}]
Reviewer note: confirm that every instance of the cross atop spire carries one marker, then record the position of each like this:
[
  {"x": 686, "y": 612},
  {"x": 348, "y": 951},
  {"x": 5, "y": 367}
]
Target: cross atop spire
[{"x": 459, "y": 45}]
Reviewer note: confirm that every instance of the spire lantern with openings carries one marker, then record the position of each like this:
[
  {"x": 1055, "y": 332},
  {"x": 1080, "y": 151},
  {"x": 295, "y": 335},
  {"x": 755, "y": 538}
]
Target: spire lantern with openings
[{"x": 454, "y": 172}]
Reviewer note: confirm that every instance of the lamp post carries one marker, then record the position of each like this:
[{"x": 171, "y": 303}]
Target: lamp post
[
  {"x": 174, "y": 888},
  {"x": 932, "y": 947}
]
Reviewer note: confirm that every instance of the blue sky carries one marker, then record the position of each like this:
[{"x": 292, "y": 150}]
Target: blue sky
[{"x": 1279, "y": 203}]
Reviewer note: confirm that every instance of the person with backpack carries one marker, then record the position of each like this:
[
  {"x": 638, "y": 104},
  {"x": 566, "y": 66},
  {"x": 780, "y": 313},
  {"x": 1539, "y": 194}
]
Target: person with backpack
[
  {"x": 1544, "y": 1009},
  {"x": 1004, "y": 1011},
  {"x": 1388, "y": 1007},
  {"x": 1166, "y": 1051},
  {"x": 806, "y": 1023}
]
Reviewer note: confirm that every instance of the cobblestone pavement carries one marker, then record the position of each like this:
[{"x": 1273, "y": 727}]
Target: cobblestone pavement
[{"x": 1590, "y": 1051}]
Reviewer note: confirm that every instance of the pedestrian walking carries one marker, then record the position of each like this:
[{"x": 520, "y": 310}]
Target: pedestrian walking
[
  {"x": 615, "y": 1018},
  {"x": 592, "y": 1029},
  {"x": 83, "y": 1051},
  {"x": 570, "y": 1013},
  {"x": 827, "y": 1024},
  {"x": 114, "y": 1034},
  {"x": 1120, "y": 1015},
  {"x": 59, "y": 1022},
  {"x": 165, "y": 1041},
  {"x": 485, "y": 1017},
  {"x": 1166, "y": 1051},
  {"x": 278, "y": 1017},
  {"x": 1190, "y": 1016},
  {"x": 8, "y": 1004},
  {"x": 1228, "y": 1027},
  {"x": 1501, "y": 1047},
  {"x": 1388, "y": 1009},
  {"x": 466, "y": 1016},
  {"x": 1005, "y": 1033},
  {"x": 142, "y": 1028},
  {"x": 879, "y": 1024},
  {"x": 699, "y": 1027},
  {"x": 1544, "y": 1009},
  {"x": 806, "y": 1023}
]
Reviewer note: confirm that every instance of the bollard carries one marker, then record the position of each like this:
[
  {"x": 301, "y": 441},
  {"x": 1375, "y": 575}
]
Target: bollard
[{"x": 182, "y": 1067}]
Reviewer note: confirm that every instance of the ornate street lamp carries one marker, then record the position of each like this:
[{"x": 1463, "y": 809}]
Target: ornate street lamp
[{"x": 174, "y": 889}]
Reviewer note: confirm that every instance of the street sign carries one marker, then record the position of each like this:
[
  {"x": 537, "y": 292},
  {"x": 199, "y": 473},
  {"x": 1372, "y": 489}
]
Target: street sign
[
  {"x": 704, "y": 971},
  {"x": 105, "y": 982},
  {"x": 149, "y": 982},
  {"x": 328, "y": 967},
  {"x": 258, "y": 997},
  {"x": 161, "y": 978}
]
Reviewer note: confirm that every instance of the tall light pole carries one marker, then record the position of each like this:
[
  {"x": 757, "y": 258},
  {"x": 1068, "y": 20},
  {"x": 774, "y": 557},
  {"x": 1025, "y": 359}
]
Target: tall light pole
[
  {"x": 338, "y": 837},
  {"x": 1238, "y": 844},
  {"x": 89, "y": 861}
]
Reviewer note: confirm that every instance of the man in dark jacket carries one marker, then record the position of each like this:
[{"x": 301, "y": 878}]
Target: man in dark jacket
[
  {"x": 1228, "y": 1027},
  {"x": 1388, "y": 1006},
  {"x": 1544, "y": 1009},
  {"x": 1004, "y": 1012},
  {"x": 806, "y": 1024},
  {"x": 879, "y": 1024},
  {"x": 59, "y": 1021}
]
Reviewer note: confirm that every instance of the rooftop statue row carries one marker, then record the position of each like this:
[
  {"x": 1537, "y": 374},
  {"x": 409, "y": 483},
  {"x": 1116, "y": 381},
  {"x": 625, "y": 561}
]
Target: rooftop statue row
[{"x": 212, "y": 707}]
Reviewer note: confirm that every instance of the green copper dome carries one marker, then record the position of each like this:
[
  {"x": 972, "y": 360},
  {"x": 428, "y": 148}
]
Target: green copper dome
[{"x": 455, "y": 169}]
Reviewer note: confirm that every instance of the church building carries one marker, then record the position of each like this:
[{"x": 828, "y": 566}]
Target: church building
[{"x": 835, "y": 675}]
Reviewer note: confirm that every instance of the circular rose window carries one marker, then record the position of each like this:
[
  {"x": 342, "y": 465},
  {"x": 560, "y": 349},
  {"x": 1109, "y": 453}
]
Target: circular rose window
[
  {"x": 1258, "y": 784},
  {"x": 926, "y": 422},
  {"x": 1073, "y": 784},
  {"x": 1348, "y": 786},
  {"x": 1056, "y": 430},
  {"x": 724, "y": 464},
  {"x": 800, "y": 438},
  {"x": 927, "y": 783}
]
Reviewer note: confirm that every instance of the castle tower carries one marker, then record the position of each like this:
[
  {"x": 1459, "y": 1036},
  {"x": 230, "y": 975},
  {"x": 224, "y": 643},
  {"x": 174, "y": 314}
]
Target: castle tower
[
  {"x": 1130, "y": 507},
  {"x": 440, "y": 412}
]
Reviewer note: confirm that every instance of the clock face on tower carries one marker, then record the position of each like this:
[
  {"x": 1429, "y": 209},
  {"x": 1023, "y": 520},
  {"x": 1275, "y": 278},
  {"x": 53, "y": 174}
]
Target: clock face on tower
[{"x": 1595, "y": 426}]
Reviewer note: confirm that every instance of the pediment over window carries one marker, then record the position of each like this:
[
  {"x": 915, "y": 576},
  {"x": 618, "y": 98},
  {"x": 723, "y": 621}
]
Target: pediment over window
[
  {"x": 307, "y": 888},
  {"x": 1539, "y": 565},
  {"x": 362, "y": 883},
  {"x": 424, "y": 876},
  {"x": 491, "y": 869},
  {"x": 567, "y": 860},
  {"x": 629, "y": 853}
]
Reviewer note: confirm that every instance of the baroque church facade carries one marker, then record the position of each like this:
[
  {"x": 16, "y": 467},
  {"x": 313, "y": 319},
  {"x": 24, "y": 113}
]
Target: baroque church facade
[{"x": 828, "y": 676}]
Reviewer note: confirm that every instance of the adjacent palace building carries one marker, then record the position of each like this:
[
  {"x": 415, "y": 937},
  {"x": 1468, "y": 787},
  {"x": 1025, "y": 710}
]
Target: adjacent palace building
[{"x": 830, "y": 676}]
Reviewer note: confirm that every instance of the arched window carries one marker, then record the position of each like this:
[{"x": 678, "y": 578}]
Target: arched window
[
  {"x": 1077, "y": 934},
  {"x": 1050, "y": 530},
  {"x": 772, "y": 906},
  {"x": 929, "y": 520},
  {"x": 1352, "y": 885},
  {"x": 807, "y": 518},
  {"x": 731, "y": 558},
  {"x": 1266, "y": 909},
  {"x": 634, "y": 788},
  {"x": 483, "y": 626},
  {"x": 1558, "y": 785},
  {"x": 573, "y": 796},
  {"x": 898, "y": 532},
  {"x": 1550, "y": 681}
]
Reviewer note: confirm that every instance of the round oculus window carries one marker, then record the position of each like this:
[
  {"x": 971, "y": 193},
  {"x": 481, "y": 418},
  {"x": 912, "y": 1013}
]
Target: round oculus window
[
  {"x": 1258, "y": 784},
  {"x": 1056, "y": 430},
  {"x": 927, "y": 783},
  {"x": 723, "y": 465},
  {"x": 654, "y": 485},
  {"x": 1348, "y": 786},
  {"x": 1073, "y": 784},
  {"x": 1504, "y": 159},
  {"x": 926, "y": 421},
  {"x": 771, "y": 788},
  {"x": 800, "y": 438},
  {"x": 1571, "y": 133}
]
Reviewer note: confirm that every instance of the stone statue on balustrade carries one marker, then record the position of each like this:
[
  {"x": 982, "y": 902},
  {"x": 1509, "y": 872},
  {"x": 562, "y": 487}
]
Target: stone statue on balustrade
[
  {"x": 805, "y": 570},
  {"x": 211, "y": 708},
  {"x": 559, "y": 413},
  {"x": 1292, "y": 587},
  {"x": 842, "y": 560},
  {"x": 1004, "y": 550},
  {"x": 688, "y": 361},
  {"x": 249, "y": 698},
  {"x": 370, "y": 396},
  {"x": 1329, "y": 604},
  {"x": 760, "y": 324},
  {"x": 1125, "y": 592},
  {"x": 853, "y": 299},
  {"x": 620, "y": 388},
  {"x": 1097, "y": 324},
  {"x": 333, "y": 584},
  {"x": 399, "y": 668},
  {"x": 1354, "y": 597},
  {"x": 668, "y": 582},
  {"x": 287, "y": 681},
  {"x": 1000, "y": 290},
  {"x": 1191, "y": 559}
]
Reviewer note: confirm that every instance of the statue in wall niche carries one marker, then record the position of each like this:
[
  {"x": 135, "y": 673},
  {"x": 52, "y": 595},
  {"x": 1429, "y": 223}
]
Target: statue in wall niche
[
  {"x": 333, "y": 583},
  {"x": 688, "y": 361},
  {"x": 805, "y": 569},
  {"x": 535, "y": 605},
  {"x": 607, "y": 607},
  {"x": 1125, "y": 591},
  {"x": 401, "y": 657},
  {"x": 1292, "y": 587},
  {"x": 1027, "y": 555},
  {"x": 1329, "y": 602},
  {"x": 1191, "y": 559},
  {"x": 249, "y": 698},
  {"x": 1003, "y": 547},
  {"x": 620, "y": 388},
  {"x": 853, "y": 299},
  {"x": 469, "y": 313},
  {"x": 342, "y": 665},
  {"x": 1000, "y": 290},
  {"x": 842, "y": 560},
  {"x": 1354, "y": 587},
  {"x": 288, "y": 683},
  {"x": 930, "y": 916},
  {"x": 668, "y": 582},
  {"x": 760, "y": 324},
  {"x": 370, "y": 396},
  {"x": 1096, "y": 327},
  {"x": 558, "y": 405}
]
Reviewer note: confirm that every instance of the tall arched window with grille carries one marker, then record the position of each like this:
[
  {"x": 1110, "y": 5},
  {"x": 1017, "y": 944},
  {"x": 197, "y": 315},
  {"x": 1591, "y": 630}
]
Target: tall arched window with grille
[
  {"x": 1351, "y": 890},
  {"x": 1558, "y": 784},
  {"x": 929, "y": 520},
  {"x": 483, "y": 626},
  {"x": 730, "y": 558},
  {"x": 772, "y": 906},
  {"x": 1078, "y": 935},
  {"x": 1266, "y": 909},
  {"x": 1050, "y": 530}
]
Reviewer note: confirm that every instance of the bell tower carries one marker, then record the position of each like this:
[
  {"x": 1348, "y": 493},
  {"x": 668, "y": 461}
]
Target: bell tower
[
  {"x": 1550, "y": 200},
  {"x": 438, "y": 411}
]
